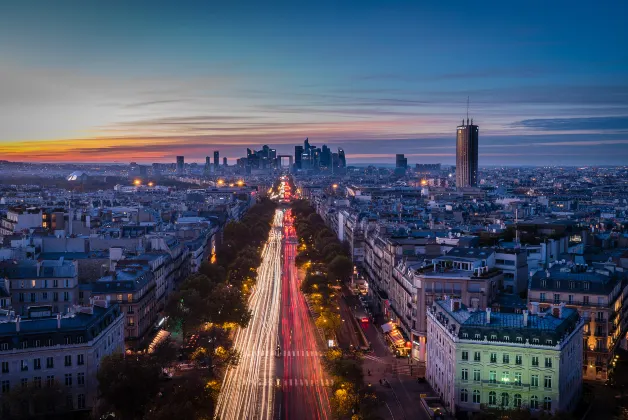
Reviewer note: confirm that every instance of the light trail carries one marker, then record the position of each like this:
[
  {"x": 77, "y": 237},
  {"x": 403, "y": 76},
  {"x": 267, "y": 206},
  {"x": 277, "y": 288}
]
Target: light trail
[
  {"x": 248, "y": 389},
  {"x": 307, "y": 398}
]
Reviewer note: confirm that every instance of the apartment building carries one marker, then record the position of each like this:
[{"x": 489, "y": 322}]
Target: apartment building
[
  {"x": 66, "y": 349},
  {"x": 478, "y": 359},
  {"x": 45, "y": 282},
  {"x": 598, "y": 293}
]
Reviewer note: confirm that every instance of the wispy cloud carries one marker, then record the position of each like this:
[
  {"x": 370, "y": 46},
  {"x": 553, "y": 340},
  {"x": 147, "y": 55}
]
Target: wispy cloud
[{"x": 575, "y": 124}]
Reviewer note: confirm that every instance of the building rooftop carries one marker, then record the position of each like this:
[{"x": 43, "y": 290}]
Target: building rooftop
[{"x": 27, "y": 269}]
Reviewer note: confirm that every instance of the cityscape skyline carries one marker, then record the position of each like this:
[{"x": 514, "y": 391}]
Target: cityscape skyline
[{"x": 183, "y": 80}]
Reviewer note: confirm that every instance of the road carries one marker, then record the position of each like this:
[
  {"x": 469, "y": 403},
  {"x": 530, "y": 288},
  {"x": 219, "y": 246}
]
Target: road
[
  {"x": 248, "y": 389},
  {"x": 304, "y": 385}
]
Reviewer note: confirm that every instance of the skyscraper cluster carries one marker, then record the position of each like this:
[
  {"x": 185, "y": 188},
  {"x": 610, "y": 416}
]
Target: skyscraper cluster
[{"x": 310, "y": 157}]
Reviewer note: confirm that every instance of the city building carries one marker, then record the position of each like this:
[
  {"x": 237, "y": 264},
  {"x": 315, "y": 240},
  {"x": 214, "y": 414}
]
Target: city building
[
  {"x": 64, "y": 349},
  {"x": 216, "y": 159},
  {"x": 180, "y": 165},
  {"x": 401, "y": 162},
  {"x": 599, "y": 294},
  {"x": 37, "y": 283},
  {"x": 298, "y": 154},
  {"x": 478, "y": 359},
  {"x": 467, "y": 155}
]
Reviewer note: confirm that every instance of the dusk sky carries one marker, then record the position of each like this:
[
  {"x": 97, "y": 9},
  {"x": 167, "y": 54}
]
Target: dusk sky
[{"x": 122, "y": 81}]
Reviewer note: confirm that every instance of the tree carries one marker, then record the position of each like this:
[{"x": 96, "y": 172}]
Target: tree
[
  {"x": 341, "y": 268},
  {"x": 34, "y": 400},
  {"x": 185, "y": 399},
  {"x": 127, "y": 385}
]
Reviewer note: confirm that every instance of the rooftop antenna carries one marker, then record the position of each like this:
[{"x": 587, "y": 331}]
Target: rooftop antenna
[{"x": 467, "y": 110}]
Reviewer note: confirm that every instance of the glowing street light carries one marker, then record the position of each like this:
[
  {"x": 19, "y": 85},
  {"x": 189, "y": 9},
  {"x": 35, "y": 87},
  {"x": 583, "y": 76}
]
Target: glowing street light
[
  {"x": 240, "y": 183},
  {"x": 334, "y": 186},
  {"x": 137, "y": 182},
  {"x": 151, "y": 184},
  {"x": 221, "y": 182}
]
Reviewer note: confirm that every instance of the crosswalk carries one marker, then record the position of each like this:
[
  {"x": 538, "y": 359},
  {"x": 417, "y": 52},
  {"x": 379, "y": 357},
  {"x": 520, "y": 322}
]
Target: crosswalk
[
  {"x": 287, "y": 353},
  {"x": 375, "y": 359},
  {"x": 293, "y": 382}
]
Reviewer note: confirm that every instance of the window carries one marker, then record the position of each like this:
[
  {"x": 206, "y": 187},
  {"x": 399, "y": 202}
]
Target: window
[
  {"x": 506, "y": 377},
  {"x": 50, "y": 362},
  {"x": 506, "y": 338},
  {"x": 464, "y": 395},
  {"x": 476, "y": 375},
  {"x": 504, "y": 399},
  {"x": 547, "y": 404},
  {"x": 5, "y": 367},
  {"x": 37, "y": 382},
  {"x": 549, "y": 343},
  {"x": 493, "y": 357},
  {"x": 586, "y": 285},
  {"x": 24, "y": 382},
  {"x": 478, "y": 337},
  {"x": 517, "y": 400},
  {"x": 129, "y": 297},
  {"x": 542, "y": 298},
  {"x": 548, "y": 362},
  {"x": 55, "y": 283},
  {"x": 21, "y": 297},
  {"x": 80, "y": 359},
  {"x": 534, "y": 381},
  {"x": 465, "y": 355},
  {"x": 119, "y": 298},
  {"x": 6, "y": 386},
  {"x": 32, "y": 297},
  {"x": 66, "y": 296},
  {"x": 547, "y": 382},
  {"x": 518, "y": 378},
  {"x": 556, "y": 298},
  {"x": 506, "y": 358},
  {"x": 67, "y": 283},
  {"x": 492, "y": 398},
  {"x": 536, "y": 341},
  {"x": 465, "y": 374},
  {"x": 518, "y": 359},
  {"x": 570, "y": 300},
  {"x": 69, "y": 402},
  {"x": 80, "y": 379},
  {"x": 55, "y": 296},
  {"x": 476, "y": 396},
  {"x": 585, "y": 300},
  {"x": 68, "y": 360},
  {"x": 81, "y": 401},
  {"x": 4, "y": 346},
  {"x": 68, "y": 379},
  {"x": 23, "y": 365},
  {"x": 493, "y": 336},
  {"x": 535, "y": 360},
  {"x": 534, "y": 402},
  {"x": 50, "y": 380},
  {"x": 476, "y": 356},
  {"x": 492, "y": 376},
  {"x": 131, "y": 322}
]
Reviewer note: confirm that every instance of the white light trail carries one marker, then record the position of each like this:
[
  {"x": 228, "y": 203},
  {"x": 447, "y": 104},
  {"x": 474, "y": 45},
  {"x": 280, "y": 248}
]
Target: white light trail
[{"x": 247, "y": 391}]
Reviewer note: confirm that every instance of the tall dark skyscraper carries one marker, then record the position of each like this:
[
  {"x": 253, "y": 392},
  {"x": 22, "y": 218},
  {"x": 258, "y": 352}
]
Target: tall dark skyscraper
[
  {"x": 298, "y": 154},
  {"x": 224, "y": 162},
  {"x": 467, "y": 155},
  {"x": 400, "y": 161},
  {"x": 216, "y": 158},
  {"x": 341, "y": 157},
  {"x": 180, "y": 165}
]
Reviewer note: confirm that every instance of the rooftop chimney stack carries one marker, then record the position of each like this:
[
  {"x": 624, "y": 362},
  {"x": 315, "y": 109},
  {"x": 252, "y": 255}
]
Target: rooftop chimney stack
[
  {"x": 58, "y": 321},
  {"x": 17, "y": 324},
  {"x": 525, "y": 318},
  {"x": 488, "y": 315},
  {"x": 535, "y": 308}
]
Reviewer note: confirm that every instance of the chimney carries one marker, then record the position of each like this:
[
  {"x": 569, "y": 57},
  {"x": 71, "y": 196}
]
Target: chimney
[
  {"x": 38, "y": 267},
  {"x": 488, "y": 315},
  {"x": 525, "y": 317},
  {"x": 561, "y": 310},
  {"x": 58, "y": 321},
  {"x": 535, "y": 308},
  {"x": 17, "y": 323}
]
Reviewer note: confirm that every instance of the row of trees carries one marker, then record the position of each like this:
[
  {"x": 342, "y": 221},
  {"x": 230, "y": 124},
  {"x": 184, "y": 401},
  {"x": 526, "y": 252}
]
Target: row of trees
[
  {"x": 327, "y": 264},
  {"x": 208, "y": 304}
]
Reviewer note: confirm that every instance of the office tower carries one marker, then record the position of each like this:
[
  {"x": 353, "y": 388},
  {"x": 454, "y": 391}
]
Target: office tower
[
  {"x": 272, "y": 154},
  {"x": 298, "y": 154},
  {"x": 341, "y": 157},
  {"x": 224, "y": 162},
  {"x": 467, "y": 155},
  {"x": 400, "y": 161},
  {"x": 326, "y": 158},
  {"x": 180, "y": 165},
  {"x": 216, "y": 158}
]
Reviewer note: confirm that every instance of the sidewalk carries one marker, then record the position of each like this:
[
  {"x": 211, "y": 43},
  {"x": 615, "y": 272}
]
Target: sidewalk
[{"x": 401, "y": 395}]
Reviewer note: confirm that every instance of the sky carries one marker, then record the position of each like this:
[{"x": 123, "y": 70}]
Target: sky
[{"x": 145, "y": 81}]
